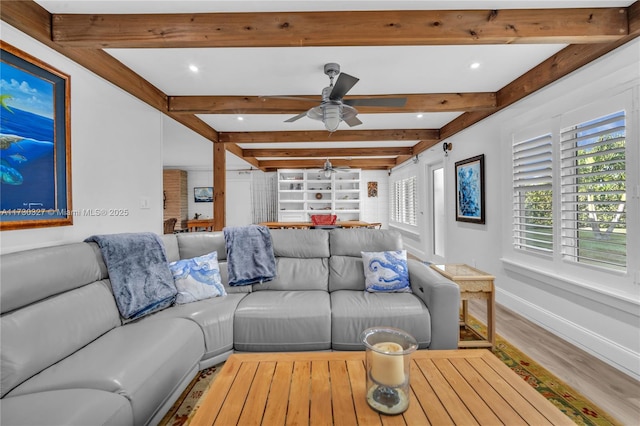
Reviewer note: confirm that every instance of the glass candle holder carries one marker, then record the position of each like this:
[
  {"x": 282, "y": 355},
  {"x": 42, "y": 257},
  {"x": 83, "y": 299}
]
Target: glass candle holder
[{"x": 388, "y": 357}]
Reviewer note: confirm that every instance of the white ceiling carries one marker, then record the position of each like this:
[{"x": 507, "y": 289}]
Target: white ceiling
[{"x": 299, "y": 70}]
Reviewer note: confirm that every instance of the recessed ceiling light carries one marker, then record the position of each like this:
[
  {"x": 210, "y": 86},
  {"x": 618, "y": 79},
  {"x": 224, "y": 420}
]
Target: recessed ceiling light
[
  {"x": 475, "y": 65},
  {"x": 239, "y": 118},
  {"x": 193, "y": 68},
  {"x": 419, "y": 115}
]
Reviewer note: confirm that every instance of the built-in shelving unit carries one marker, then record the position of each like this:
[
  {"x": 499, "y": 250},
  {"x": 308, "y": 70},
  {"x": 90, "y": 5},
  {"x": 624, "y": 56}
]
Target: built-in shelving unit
[{"x": 303, "y": 192}]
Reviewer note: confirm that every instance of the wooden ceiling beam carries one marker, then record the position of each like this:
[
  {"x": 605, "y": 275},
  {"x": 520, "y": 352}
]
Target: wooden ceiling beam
[
  {"x": 32, "y": 19},
  {"x": 239, "y": 152},
  {"x": 357, "y": 163},
  {"x": 341, "y": 28},
  {"x": 557, "y": 66},
  {"x": 329, "y": 152},
  {"x": 428, "y": 102},
  {"x": 323, "y": 136}
]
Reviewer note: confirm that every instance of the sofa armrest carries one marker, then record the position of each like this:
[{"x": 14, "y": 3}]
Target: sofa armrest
[{"x": 442, "y": 297}]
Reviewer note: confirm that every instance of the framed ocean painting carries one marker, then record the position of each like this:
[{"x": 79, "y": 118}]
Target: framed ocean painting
[
  {"x": 203, "y": 194},
  {"x": 35, "y": 143},
  {"x": 470, "y": 190}
]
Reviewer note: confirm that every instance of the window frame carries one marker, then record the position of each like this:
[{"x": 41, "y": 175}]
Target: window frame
[
  {"x": 569, "y": 189},
  {"x": 623, "y": 101}
]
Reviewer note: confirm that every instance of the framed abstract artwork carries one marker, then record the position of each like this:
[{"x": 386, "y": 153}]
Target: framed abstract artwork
[
  {"x": 35, "y": 143},
  {"x": 372, "y": 189},
  {"x": 203, "y": 194},
  {"x": 470, "y": 190}
]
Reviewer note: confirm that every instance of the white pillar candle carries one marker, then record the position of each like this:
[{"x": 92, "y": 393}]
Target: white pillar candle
[{"x": 387, "y": 369}]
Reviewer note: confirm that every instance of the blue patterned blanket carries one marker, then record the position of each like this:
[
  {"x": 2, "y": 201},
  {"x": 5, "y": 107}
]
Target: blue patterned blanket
[
  {"x": 140, "y": 276},
  {"x": 250, "y": 258}
]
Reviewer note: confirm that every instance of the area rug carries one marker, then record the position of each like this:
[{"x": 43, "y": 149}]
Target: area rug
[
  {"x": 573, "y": 404},
  {"x": 569, "y": 401},
  {"x": 185, "y": 407}
]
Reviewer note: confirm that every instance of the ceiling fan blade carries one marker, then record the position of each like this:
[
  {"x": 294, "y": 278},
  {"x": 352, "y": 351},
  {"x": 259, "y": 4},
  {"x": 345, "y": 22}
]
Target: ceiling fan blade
[
  {"x": 344, "y": 83},
  {"x": 377, "y": 102},
  {"x": 353, "y": 121},
  {"x": 293, "y": 98},
  {"x": 296, "y": 117}
]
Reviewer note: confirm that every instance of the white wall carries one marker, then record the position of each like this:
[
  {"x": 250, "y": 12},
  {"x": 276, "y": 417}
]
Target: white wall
[
  {"x": 239, "y": 198},
  {"x": 195, "y": 178},
  {"x": 595, "y": 310},
  {"x": 375, "y": 209},
  {"x": 237, "y": 195},
  {"x": 116, "y": 148}
]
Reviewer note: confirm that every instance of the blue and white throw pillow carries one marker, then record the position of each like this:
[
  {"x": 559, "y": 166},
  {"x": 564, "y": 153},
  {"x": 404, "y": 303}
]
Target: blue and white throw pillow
[
  {"x": 386, "y": 271},
  {"x": 197, "y": 278}
]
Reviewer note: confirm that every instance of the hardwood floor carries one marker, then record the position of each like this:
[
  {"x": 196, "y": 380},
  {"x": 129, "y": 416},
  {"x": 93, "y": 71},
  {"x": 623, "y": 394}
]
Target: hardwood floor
[{"x": 604, "y": 385}]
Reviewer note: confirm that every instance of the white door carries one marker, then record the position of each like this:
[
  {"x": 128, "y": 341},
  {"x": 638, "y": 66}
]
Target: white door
[
  {"x": 436, "y": 212},
  {"x": 238, "y": 204}
]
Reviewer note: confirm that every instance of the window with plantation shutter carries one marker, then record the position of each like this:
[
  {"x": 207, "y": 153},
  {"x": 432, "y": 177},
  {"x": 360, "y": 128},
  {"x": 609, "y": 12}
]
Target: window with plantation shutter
[
  {"x": 533, "y": 194},
  {"x": 593, "y": 174},
  {"x": 404, "y": 201}
]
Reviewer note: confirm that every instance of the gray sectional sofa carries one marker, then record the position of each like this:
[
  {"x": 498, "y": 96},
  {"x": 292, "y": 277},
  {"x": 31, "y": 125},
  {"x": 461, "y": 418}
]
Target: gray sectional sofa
[{"x": 68, "y": 358}]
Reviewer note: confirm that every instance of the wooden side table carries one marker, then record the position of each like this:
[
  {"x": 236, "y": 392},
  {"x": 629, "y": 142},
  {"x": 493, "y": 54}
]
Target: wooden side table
[
  {"x": 474, "y": 284},
  {"x": 196, "y": 224}
]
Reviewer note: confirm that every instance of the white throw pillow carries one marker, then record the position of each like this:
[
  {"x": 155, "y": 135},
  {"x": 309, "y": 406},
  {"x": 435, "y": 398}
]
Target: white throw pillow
[
  {"x": 197, "y": 278},
  {"x": 386, "y": 271}
]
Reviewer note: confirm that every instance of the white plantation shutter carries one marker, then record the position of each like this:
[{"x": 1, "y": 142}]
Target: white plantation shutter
[
  {"x": 410, "y": 201},
  {"x": 395, "y": 196},
  {"x": 593, "y": 162},
  {"x": 404, "y": 201},
  {"x": 532, "y": 194}
]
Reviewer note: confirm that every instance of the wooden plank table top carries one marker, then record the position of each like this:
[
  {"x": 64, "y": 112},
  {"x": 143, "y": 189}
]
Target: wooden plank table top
[{"x": 463, "y": 387}]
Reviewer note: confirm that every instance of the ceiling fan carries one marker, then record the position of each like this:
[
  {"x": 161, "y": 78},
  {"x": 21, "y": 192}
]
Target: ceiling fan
[
  {"x": 333, "y": 109},
  {"x": 328, "y": 168}
]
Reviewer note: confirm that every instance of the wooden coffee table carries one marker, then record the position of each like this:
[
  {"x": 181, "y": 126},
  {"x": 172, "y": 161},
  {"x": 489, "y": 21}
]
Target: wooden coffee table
[{"x": 324, "y": 388}]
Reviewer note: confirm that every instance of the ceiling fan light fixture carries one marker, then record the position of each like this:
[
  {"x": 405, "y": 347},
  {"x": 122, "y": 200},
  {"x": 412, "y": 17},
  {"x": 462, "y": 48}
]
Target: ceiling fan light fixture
[
  {"x": 327, "y": 168},
  {"x": 331, "y": 117}
]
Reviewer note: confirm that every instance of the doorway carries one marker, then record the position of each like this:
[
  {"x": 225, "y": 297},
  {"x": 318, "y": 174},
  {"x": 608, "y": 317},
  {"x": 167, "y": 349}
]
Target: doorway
[{"x": 436, "y": 223}]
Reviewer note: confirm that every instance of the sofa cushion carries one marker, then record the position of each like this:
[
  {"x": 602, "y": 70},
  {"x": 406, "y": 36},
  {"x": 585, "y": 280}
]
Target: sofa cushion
[
  {"x": 32, "y": 275},
  {"x": 193, "y": 244},
  {"x": 213, "y": 316},
  {"x": 144, "y": 361},
  {"x": 352, "y": 312},
  {"x": 350, "y": 242},
  {"x": 170, "y": 242},
  {"x": 75, "y": 407},
  {"x": 386, "y": 271},
  {"x": 346, "y": 271},
  {"x": 39, "y": 335},
  {"x": 300, "y": 243},
  {"x": 197, "y": 278},
  {"x": 298, "y": 274},
  {"x": 268, "y": 321}
]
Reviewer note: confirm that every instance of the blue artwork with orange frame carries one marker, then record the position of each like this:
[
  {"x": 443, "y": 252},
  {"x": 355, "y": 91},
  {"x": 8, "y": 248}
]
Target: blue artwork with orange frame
[{"x": 34, "y": 143}]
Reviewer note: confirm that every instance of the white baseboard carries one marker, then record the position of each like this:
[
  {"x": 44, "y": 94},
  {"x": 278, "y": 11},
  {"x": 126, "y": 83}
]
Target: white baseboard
[{"x": 602, "y": 348}]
